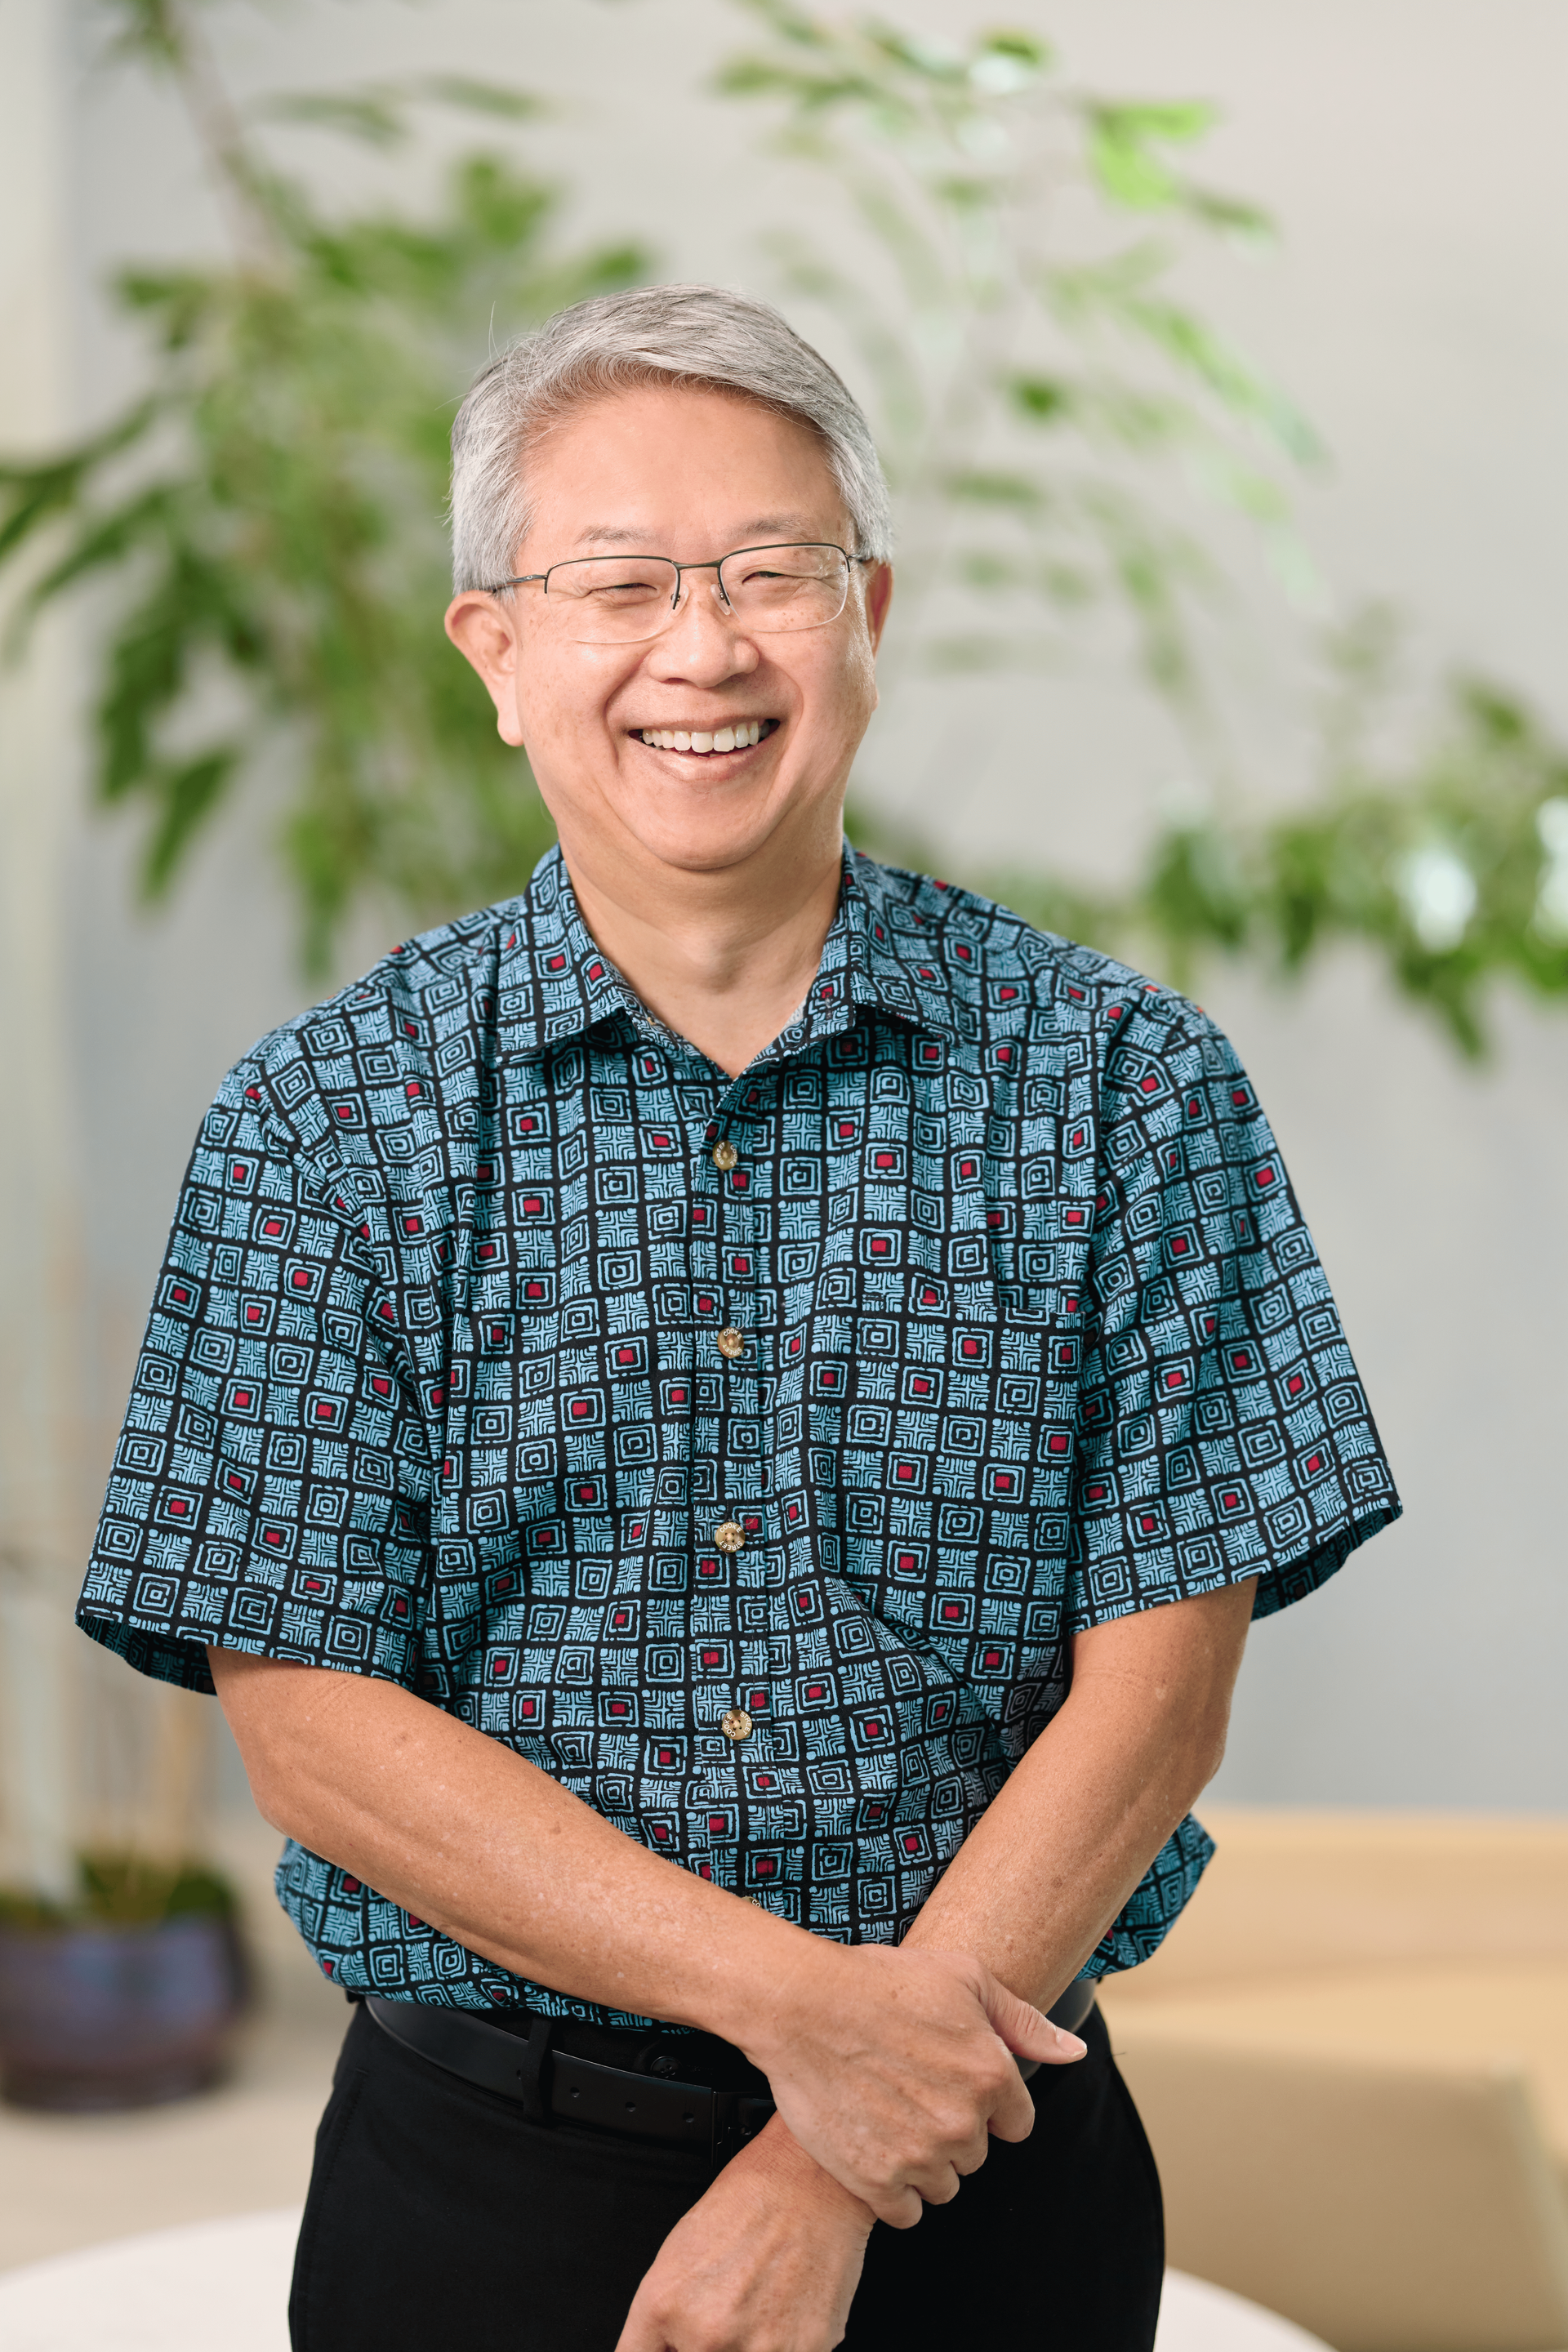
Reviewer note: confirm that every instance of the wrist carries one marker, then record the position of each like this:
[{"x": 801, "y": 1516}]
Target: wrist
[
  {"x": 777, "y": 2162},
  {"x": 778, "y": 1976}
]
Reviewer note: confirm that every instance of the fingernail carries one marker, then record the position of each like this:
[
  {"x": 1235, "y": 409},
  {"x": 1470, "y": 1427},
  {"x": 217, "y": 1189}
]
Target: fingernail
[{"x": 1071, "y": 2042}]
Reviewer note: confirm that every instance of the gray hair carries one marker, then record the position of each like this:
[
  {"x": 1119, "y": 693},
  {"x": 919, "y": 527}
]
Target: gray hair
[{"x": 703, "y": 335}]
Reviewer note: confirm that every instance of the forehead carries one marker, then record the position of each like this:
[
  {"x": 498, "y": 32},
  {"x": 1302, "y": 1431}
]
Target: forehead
[{"x": 653, "y": 464}]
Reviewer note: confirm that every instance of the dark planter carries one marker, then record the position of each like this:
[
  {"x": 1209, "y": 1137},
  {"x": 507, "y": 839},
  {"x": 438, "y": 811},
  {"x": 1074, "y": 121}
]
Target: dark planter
[{"x": 96, "y": 2018}]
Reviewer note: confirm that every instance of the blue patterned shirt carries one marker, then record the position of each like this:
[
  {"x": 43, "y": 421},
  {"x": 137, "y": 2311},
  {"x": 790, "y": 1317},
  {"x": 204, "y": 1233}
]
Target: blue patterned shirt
[{"x": 745, "y": 1453}]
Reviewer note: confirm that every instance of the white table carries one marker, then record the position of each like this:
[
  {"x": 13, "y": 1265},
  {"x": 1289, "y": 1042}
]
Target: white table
[{"x": 159, "y": 2292}]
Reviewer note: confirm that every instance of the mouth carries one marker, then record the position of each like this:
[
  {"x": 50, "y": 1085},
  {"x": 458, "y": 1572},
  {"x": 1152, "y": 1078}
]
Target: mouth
[{"x": 708, "y": 743}]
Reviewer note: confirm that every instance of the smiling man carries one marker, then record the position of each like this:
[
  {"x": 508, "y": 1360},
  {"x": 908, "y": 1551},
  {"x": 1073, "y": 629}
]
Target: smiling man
[{"x": 718, "y": 1428}]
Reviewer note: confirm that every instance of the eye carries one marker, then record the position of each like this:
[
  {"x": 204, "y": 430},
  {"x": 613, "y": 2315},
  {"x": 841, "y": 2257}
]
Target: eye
[
  {"x": 613, "y": 581},
  {"x": 623, "y": 592}
]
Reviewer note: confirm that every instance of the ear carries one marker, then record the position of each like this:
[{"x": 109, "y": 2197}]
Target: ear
[
  {"x": 879, "y": 597},
  {"x": 484, "y": 630}
]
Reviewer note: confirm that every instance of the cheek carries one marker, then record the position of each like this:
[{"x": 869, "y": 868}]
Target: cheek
[
  {"x": 850, "y": 690},
  {"x": 561, "y": 701},
  {"x": 543, "y": 702}
]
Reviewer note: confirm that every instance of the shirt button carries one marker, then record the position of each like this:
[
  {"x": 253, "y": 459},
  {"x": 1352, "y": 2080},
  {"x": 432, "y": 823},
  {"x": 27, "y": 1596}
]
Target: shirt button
[
  {"x": 731, "y": 1343},
  {"x": 736, "y": 1724},
  {"x": 729, "y": 1535},
  {"x": 725, "y": 1156}
]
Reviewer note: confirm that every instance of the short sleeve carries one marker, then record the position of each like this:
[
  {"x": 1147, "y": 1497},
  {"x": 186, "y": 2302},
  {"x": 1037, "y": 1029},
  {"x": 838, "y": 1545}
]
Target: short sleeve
[
  {"x": 272, "y": 1484},
  {"x": 1223, "y": 1432}
]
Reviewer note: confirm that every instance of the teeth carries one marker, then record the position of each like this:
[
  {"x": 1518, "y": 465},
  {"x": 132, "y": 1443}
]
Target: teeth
[{"x": 723, "y": 738}]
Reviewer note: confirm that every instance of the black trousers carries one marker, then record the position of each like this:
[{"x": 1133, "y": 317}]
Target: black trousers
[{"x": 437, "y": 2216}]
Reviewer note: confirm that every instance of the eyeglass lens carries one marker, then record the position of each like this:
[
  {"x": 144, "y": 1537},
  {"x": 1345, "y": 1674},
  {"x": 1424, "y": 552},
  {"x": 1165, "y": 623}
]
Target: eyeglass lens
[{"x": 621, "y": 599}]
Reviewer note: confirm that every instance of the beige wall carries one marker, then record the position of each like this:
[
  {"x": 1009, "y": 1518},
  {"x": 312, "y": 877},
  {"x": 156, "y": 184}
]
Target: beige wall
[{"x": 1413, "y": 148}]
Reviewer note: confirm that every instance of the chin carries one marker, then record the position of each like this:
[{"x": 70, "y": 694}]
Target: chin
[
  {"x": 701, "y": 849},
  {"x": 704, "y": 839}
]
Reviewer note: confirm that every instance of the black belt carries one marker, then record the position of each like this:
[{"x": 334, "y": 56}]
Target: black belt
[{"x": 550, "y": 2082}]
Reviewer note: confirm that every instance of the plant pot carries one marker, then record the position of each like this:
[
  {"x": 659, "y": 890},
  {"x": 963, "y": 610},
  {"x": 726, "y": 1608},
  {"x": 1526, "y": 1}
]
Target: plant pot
[{"x": 98, "y": 2018}]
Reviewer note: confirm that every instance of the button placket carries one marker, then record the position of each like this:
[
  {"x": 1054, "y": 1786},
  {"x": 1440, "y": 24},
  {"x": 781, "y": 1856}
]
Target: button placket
[
  {"x": 737, "y": 1343},
  {"x": 734, "y": 1200},
  {"x": 710, "y": 1617}
]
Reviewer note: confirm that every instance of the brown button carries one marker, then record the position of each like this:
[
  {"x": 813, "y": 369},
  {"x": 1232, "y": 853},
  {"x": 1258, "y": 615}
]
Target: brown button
[
  {"x": 729, "y": 1535},
  {"x": 736, "y": 1724},
  {"x": 725, "y": 1156},
  {"x": 731, "y": 1343}
]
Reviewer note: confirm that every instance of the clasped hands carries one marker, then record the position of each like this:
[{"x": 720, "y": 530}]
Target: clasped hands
[{"x": 891, "y": 2070}]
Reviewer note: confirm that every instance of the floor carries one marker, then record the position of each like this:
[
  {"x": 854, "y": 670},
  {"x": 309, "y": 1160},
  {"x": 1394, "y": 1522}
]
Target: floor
[{"x": 75, "y": 2180}]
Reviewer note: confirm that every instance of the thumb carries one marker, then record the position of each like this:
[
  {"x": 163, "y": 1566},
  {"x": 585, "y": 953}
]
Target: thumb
[{"x": 1026, "y": 2031}]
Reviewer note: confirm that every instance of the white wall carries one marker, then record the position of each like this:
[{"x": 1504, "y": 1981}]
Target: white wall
[{"x": 1413, "y": 150}]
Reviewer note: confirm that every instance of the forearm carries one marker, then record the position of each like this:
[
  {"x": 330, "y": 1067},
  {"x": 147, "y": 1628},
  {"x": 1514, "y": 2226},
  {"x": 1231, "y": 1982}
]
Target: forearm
[
  {"x": 461, "y": 1831},
  {"x": 1029, "y": 1894},
  {"x": 889, "y": 2068},
  {"x": 1067, "y": 1839}
]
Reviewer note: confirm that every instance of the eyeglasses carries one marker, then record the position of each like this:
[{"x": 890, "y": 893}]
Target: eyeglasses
[{"x": 623, "y": 600}]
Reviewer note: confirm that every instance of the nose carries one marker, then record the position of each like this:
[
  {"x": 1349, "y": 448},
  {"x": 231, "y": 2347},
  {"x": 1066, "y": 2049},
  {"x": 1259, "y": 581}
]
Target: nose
[{"x": 703, "y": 643}]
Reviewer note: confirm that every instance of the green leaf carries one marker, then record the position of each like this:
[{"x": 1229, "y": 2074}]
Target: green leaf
[
  {"x": 502, "y": 100},
  {"x": 188, "y": 795},
  {"x": 1007, "y": 63},
  {"x": 1162, "y": 123},
  {"x": 978, "y": 488},
  {"x": 932, "y": 60},
  {"x": 1044, "y": 400},
  {"x": 1232, "y": 215},
  {"x": 379, "y": 117},
  {"x": 33, "y": 494},
  {"x": 1124, "y": 152}
]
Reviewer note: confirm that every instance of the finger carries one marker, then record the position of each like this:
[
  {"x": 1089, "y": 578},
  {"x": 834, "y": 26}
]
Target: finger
[
  {"x": 641, "y": 2335},
  {"x": 900, "y": 2208},
  {"x": 944, "y": 2185},
  {"x": 1013, "y": 2116},
  {"x": 1026, "y": 2033}
]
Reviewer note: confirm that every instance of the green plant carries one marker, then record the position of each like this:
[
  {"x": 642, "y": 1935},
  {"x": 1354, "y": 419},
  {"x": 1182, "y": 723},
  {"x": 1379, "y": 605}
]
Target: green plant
[
  {"x": 1045, "y": 396},
  {"x": 269, "y": 513},
  {"x": 124, "y": 1890},
  {"x": 1450, "y": 864}
]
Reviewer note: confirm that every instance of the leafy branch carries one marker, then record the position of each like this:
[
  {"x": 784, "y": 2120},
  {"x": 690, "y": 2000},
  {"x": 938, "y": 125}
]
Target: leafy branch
[
  {"x": 1042, "y": 389},
  {"x": 270, "y": 511},
  {"x": 1452, "y": 867}
]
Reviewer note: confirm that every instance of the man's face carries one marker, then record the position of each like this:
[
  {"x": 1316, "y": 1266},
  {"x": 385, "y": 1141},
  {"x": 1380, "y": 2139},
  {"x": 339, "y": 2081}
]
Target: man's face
[{"x": 685, "y": 473}]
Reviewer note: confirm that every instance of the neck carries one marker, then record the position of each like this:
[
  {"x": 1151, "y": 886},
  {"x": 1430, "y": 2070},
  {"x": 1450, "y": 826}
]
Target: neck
[{"x": 721, "y": 958}]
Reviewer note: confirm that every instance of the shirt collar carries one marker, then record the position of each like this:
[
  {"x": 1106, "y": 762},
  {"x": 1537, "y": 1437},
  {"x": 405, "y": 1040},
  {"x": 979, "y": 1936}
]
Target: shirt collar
[{"x": 556, "y": 984}]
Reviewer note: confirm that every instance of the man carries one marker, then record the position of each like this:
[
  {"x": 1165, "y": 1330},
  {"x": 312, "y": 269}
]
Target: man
[{"x": 720, "y": 1426}]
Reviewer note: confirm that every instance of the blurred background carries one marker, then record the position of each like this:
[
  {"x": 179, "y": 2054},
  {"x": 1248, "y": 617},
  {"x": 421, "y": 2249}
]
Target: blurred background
[{"x": 1218, "y": 353}]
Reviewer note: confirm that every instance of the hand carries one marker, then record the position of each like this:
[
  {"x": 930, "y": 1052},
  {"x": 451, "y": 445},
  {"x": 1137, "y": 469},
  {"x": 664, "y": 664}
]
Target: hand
[
  {"x": 768, "y": 2261},
  {"x": 892, "y": 2068}
]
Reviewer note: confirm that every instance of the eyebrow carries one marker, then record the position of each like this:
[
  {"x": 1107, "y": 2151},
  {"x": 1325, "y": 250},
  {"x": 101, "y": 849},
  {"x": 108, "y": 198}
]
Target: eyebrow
[{"x": 784, "y": 527}]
